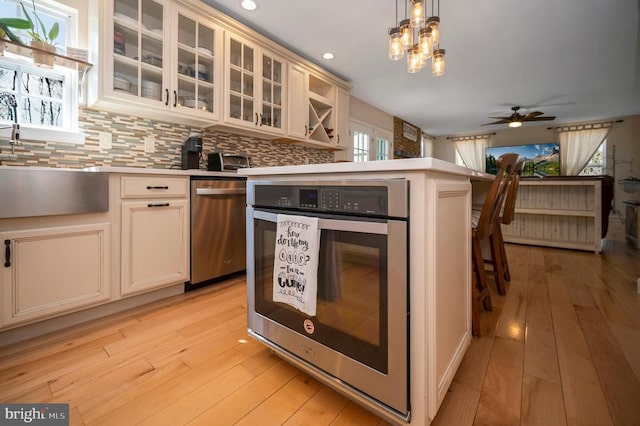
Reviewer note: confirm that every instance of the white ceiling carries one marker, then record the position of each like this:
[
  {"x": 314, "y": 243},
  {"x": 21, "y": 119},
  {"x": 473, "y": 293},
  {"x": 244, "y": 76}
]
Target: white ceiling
[{"x": 575, "y": 59}]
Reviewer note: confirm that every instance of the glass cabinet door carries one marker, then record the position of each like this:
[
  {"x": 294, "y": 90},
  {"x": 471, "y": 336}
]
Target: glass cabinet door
[
  {"x": 241, "y": 97},
  {"x": 138, "y": 49},
  {"x": 271, "y": 113},
  {"x": 195, "y": 65}
]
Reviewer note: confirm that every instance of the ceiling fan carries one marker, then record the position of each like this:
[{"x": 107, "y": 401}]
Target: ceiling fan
[{"x": 516, "y": 119}]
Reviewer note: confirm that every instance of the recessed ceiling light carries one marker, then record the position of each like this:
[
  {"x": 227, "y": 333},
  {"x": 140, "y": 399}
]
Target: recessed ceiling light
[
  {"x": 328, "y": 55},
  {"x": 249, "y": 5}
]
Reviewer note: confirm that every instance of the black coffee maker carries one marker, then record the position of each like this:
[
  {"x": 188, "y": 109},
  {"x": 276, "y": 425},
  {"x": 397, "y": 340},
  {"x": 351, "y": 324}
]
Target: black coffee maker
[{"x": 191, "y": 151}]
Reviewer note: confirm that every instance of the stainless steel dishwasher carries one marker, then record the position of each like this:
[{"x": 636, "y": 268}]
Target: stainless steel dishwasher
[{"x": 217, "y": 228}]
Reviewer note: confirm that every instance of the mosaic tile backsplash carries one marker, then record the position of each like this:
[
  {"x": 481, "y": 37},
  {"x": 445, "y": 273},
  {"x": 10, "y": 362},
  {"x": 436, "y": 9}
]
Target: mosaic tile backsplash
[{"x": 128, "y": 133}]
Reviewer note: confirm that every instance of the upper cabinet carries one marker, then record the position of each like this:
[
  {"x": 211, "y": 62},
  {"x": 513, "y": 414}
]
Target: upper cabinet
[
  {"x": 160, "y": 57},
  {"x": 253, "y": 86},
  {"x": 186, "y": 63},
  {"x": 316, "y": 104}
]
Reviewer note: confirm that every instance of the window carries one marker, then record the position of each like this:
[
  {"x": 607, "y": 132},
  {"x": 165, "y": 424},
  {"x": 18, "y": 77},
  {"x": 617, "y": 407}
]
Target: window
[
  {"x": 47, "y": 98},
  {"x": 459, "y": 161},
  {"x": 383, "y": 149},
  {"x": 426, "y": 146},
  {"x": 370, "y": 143},
  {"x": 596, "y": 165},
  {"x": 360, "y": 146}
]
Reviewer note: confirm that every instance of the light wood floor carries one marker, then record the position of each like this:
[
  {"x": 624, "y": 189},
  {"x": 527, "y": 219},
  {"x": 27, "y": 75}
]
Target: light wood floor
[{"x": 562, "y": 347}]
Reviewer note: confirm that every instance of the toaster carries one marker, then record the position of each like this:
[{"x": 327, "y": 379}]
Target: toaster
[{"x": 218, "y": 162}]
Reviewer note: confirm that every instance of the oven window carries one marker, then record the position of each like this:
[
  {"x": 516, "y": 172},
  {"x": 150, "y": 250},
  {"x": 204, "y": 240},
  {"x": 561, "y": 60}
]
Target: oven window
[{"x": 352, "y": 293}]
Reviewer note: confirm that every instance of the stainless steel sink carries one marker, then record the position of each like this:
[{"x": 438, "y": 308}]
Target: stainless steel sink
[{"x": 41, "y": 191}]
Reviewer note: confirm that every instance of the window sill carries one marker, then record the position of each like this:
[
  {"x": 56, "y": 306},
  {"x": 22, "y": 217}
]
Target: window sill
[{"x": 28, "y": 133}]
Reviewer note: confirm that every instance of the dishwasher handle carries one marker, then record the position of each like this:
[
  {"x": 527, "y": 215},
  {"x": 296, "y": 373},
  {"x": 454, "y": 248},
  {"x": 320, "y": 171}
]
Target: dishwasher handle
[{"x": 220, "y": 191}]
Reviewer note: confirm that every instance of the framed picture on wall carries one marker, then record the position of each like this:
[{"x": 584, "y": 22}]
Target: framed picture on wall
[{"x": 409, "y": 132}]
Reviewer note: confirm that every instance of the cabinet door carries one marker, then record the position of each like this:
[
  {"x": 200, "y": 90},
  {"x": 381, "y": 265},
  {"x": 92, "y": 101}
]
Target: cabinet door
[
  {"x": 198, "y": 65},
  {"x": 342, "y": 118},
  {"x": 51, "y": 271},
  {"x": 155, "y": 244},
  {"x": 240, "y": 97},
  {"x": 298, "y": 108},
  {"x": 272, "y": 70},
  {"x": 139, "y": 53}
]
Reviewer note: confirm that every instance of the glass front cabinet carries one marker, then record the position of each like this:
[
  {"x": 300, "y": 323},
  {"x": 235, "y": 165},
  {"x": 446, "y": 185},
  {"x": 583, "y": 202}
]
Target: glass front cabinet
[
  {"x": 254, "y": 86},
  {"x": 159, "y": 55}
]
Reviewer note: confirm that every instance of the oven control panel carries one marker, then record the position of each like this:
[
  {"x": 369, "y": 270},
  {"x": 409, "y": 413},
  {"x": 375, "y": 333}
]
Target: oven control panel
[{"x": 370, "y": 200}]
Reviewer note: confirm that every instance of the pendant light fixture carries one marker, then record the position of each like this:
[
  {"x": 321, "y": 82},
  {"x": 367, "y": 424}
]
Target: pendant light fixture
[{"x": 418, "y": 34}]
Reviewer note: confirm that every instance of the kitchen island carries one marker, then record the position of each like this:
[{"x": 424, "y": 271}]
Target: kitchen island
[{"x": 438, "y": 266}]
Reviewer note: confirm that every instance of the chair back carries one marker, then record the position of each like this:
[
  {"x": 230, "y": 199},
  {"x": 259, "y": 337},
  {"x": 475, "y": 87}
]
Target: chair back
[
  {"x": 494, "y": 202},
  {"x": 508, "y": 212}
]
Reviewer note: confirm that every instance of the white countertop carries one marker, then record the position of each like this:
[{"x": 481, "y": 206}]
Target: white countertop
[
  {"x": 145, "y": 170},
  {"x": 131, "y": 170},
  {"x": 409, "y": 164}
]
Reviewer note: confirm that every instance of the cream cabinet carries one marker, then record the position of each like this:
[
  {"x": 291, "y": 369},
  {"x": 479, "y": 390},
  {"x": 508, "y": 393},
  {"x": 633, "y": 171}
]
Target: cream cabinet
[
  {"x": 254, "y": 87},
  {"x": 154, "y": 235},
  {"x": 157, "y": 59},
  {"x": 313, "y": 104},
  {"x": 342, "y": 118},
  {"x": 54, "y": 270}
]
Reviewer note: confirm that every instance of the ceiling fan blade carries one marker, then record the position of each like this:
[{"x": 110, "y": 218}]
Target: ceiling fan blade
[
  {"x": 500, "y": 118},
  {"x": 506, "y": 120},
  {"x": 532, "y": 114},
  {"x": 540, "y": 118}
]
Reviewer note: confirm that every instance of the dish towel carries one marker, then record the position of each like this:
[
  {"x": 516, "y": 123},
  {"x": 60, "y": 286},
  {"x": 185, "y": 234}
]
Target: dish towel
[{"x": 295, "y": 267}]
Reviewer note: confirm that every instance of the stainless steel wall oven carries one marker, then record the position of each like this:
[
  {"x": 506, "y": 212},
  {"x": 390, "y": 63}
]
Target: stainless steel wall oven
[{"x": 358, "y": 340}]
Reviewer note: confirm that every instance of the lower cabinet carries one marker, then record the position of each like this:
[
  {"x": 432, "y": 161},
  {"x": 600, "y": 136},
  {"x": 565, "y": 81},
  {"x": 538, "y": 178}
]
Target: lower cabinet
[
  {"x": 50, "y": 271},
  {"x": 154, "y": 244}
]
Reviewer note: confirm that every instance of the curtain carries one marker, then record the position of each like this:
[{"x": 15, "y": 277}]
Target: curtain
[
  {"x": 577, "y": 147},
  {"x": 472, "y": 151}
]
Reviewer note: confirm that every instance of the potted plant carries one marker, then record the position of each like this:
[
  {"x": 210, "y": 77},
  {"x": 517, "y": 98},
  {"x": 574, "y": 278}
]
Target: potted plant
[{"x": 41, "y": 39}]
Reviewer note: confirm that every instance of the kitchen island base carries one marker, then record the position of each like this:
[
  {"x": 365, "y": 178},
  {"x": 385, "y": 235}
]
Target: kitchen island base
[{"x": 439, "y": 270}]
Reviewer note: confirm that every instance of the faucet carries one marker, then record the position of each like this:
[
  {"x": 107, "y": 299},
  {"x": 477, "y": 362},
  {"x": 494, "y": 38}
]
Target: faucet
[{"x": 15, "y": 127}]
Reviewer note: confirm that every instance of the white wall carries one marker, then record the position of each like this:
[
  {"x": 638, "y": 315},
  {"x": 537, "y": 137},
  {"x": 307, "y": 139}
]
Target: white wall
[
  {"x": 625, "y": 137},
  {"x": 369, "y": 114}
]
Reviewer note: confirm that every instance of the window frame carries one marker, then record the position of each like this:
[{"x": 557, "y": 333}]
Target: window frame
[{"x": 69, "y": 132}]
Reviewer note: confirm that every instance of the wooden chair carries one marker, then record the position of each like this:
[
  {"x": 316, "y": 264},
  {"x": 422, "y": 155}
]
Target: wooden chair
[
  {"x": 484, "y": 226},
  {"x": 508, "y": 213}
]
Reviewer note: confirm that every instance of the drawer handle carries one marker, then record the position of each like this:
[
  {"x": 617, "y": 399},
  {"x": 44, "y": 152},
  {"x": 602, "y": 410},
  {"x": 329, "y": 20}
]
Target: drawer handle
[
  {"x": 7, "y": 253},
  {"x": 157, "y": 187},
  {"x": 158, "y": 205}
]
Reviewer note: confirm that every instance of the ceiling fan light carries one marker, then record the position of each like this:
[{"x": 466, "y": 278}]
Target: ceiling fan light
[
  {"x": 515, "y": 124},
  {"x": 417, "y": 13},
  {"x": 426, "y": 48},
  {"x": 396, "y": 48},
  {"x": 407, "y": 33},
  {"x": 437, "y": 66},
  {"x": 414, "y": 63},
  {"x": 434, "y": 23}
]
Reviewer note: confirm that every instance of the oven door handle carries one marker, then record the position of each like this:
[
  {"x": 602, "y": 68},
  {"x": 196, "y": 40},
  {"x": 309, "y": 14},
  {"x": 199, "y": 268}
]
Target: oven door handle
[
  {"x": 220, "y": 191},
  {"x": 334, "y": 225}
]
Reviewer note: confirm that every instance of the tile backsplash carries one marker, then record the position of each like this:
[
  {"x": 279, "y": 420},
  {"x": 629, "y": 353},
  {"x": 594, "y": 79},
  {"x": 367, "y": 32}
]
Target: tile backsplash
[{"x": 128, "y": 147}]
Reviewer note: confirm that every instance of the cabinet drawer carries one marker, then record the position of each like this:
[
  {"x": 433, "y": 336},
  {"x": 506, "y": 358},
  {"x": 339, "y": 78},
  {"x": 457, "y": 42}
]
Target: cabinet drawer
[{"x": 154, "y": 187}]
